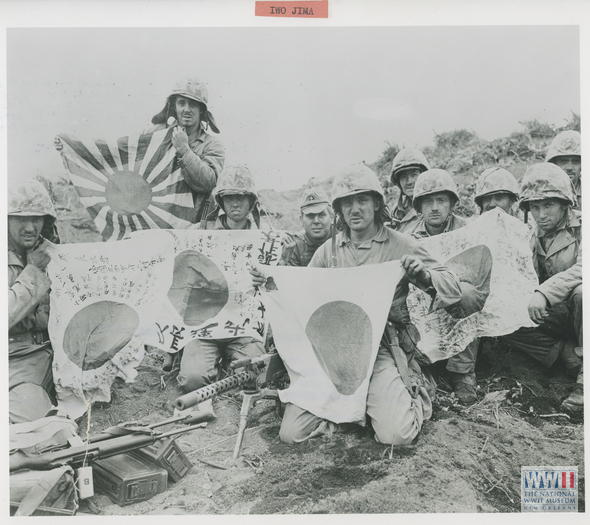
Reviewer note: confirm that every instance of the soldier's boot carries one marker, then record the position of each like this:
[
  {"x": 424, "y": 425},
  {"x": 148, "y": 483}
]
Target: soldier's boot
[
  {"x": 465, "y": 387},
  {"x": 574, "y": 403}
]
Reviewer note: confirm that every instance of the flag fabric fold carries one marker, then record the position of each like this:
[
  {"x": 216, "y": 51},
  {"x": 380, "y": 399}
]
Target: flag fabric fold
[
  {"x": 129, "y": 184},
  {"x": 493, "y": 260},
  {"x": 104, "y": 300},
  {"x": 327, "y": 325}
]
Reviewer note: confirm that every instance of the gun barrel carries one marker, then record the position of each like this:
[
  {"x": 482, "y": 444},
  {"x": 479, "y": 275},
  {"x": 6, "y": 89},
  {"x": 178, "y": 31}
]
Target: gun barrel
[{"x": 207, "y": 392}]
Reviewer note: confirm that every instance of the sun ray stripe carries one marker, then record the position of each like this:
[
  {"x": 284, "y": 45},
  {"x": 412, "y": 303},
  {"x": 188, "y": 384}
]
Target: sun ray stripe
[
  {"x": 95, "y": 210},
  {"x": 186, "y": 202},
  {"x": 115, "y": 225},
  {"x": 124, "y": 224},
  {"x": 143, "y": 223},
  {"x": 97, "y": 154},
  {"x": 131, "y": 151},
  {"x": 160, "y": 222},
  {"x": 80, "y": 167},
  {"x": 152, "y": 143},
  {"x": 107, "y": 154},
  {"x": 163, "y": 182},
  {"x": 163, "y": 155},
  {"x": 166, "y": 210},
  {"x": 160, "y": 171},
  {"x": 89, "y": 201},
  {"x": 132, "y": 222},
  {"x": 148, "y": 221},
  {"x": 116, "y": 153},
  {"x": 82, "y": 183},
  {"x": 122, "y": 146},
  {"x": 81, "y": 150},
  {"x": 143, "y": 147},
  {"x": 102, "y": 222},
  {"x": 180, "y": 188}
]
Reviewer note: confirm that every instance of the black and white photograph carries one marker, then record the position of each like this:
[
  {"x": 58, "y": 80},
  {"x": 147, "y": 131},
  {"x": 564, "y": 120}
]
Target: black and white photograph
[{"x": 266, "y": 259}]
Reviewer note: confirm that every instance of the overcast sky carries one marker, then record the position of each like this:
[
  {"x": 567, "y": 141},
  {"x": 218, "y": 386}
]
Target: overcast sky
[{"x": 291, "y": 103}]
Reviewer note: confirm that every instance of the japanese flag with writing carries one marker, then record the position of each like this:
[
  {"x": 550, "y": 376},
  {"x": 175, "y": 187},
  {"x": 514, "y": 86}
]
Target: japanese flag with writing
[
  {"x": 327, "y": 325},
  {"x": 104, "y": 298},
  {"x": 493, "y": 260},
  {"x": 211, "y": 295}
]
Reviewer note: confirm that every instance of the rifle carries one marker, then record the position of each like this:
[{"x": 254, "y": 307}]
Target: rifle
[
  {"x": 101, "y": 447},
  {"x": 251, "y": 391}
]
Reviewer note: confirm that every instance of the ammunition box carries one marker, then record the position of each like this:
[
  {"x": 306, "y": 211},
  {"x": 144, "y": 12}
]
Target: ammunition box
[
  {"x": 127, "y": 479},
  {"x": 167, "y": 454}
]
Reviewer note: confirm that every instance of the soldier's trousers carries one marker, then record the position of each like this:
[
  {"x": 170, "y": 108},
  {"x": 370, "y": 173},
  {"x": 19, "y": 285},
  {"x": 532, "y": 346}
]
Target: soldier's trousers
[
  {"x": 560, "y": 334},
  {"x": 200, "y": 359},
  {"x": 395, "y": 415}
]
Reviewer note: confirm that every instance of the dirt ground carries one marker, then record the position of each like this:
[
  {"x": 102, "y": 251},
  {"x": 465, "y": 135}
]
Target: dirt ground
[{"x": 464, "y": 460}]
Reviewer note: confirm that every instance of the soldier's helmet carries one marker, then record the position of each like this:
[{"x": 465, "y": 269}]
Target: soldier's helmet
[
  {"x": 30, "y": 198},
  {"x": 359, "y": 178},
  {"x": 566, "y": 143},
  {"x": 545, "y": 181},
  {"x": 407, "y": 158},
  {"x": 235, "y": 180},
  {"x": 495, "y": 180},
  {"x": 433, "y": 181},
  {"x": 191, "y": 88}
]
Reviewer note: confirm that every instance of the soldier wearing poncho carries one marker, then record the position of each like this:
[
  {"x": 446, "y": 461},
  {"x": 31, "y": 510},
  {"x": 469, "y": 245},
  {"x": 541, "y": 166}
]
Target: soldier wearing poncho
[
  {"x": 406, "y": 167},
  {"x": 30, "y": 213},
  {"x": 396, "y": 414},
  {"x": 556, "y": 305}
]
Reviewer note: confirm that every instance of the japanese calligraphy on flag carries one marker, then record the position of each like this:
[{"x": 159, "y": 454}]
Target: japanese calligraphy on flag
[
  {"x": 493, "y": 260},
  {"x": 130, "y": 183},
  {"x": 211, "y": 294},
  {"x": 104, "y": 300},
  {"x": 327, "y": 324}
]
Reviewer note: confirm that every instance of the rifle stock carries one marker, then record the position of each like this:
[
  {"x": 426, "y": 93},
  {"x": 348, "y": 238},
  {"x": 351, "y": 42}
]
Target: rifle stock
[{"x": 79, "y": 455}]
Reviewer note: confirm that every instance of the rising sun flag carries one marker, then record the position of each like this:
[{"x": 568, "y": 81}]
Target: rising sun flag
[{"x": 129, "y": 184}]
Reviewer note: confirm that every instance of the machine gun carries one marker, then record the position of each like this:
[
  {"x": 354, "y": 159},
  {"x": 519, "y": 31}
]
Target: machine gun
[
  {"x": 250, "y": 369},
  {"x": 113, "y": 441}
]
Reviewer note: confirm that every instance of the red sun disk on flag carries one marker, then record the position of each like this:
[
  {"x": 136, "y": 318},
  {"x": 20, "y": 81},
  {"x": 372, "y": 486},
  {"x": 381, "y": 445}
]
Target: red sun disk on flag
[
  {"x": 97, "y": 332},
  {"x": 127, "y": 193},
  {"x": 341, "y": 335},
  {"x": 199, "y": 289}
]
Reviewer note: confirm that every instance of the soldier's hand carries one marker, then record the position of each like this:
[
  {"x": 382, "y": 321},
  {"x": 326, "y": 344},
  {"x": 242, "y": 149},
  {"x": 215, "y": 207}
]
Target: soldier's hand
[
  {"x": 258, "y": 278},
  {"x": 39, "y": 256},
  {"x": 415, "y": 269},
  {"x": 288, "y": 247},
  {"x": 538, "y": 307},
  {"x": 180, "y": 140},
  {"x": 58, "y": 144}
]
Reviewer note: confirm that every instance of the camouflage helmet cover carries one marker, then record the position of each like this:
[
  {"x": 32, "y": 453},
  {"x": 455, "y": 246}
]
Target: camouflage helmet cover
[
  {"x": 495, "y": 180},
  {"x": 433, "y": 181},
  {"x": 358, "y": 178},
  {"x": 545, "y": 181},
  {"x": 565, "y": 143},
  {"x": 235, "y": 180},
  {"x": 30, "y": 198},
  {"x": 407, "y": 158}
]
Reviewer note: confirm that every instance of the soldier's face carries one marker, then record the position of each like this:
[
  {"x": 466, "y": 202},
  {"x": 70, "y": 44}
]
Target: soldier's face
[
  {"x": 407, "y": 180},
  {"x": 548, "y": 213},
  {"x": 24, "y": 231},
  {"x": 188, "y": 112},
  {"x": 317, "y": 225},
  {"x": 436, "y": 208},
  {"x": 359, "y": 210},
  {"x": 497, "y": 200},
  {"x": 571, "y": 164},
  {"x": 236, "y": 207}
]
